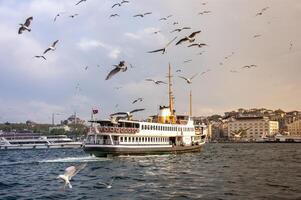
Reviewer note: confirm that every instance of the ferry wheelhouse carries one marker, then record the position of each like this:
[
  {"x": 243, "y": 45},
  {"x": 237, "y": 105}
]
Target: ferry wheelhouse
[{"x": 162, "y": 134}]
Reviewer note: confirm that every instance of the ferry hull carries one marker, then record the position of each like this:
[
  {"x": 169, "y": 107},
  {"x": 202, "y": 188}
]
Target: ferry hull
[
  {"x": 52, "y": 146},
  {"x": 107, "y": 150}
]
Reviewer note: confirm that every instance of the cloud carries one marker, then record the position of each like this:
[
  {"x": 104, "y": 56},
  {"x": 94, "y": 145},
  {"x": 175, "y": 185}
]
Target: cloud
[{"x": 91, "y": 44}]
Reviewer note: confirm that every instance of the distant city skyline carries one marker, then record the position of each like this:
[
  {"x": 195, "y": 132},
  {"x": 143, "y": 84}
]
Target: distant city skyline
[{"x": 72, "y": 79}]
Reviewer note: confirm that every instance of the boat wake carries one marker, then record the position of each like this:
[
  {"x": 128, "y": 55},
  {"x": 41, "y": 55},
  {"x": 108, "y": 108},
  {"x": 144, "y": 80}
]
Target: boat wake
[{"x": 75, "y": 159}]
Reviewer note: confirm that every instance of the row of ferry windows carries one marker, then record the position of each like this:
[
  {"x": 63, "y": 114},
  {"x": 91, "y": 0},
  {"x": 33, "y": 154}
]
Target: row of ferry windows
[
  {"x": 165, "y": 128},
  {"x": 143, "y": 139}
]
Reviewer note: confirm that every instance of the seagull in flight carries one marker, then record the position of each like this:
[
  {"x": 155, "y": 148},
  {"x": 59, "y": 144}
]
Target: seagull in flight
[
  {"x": 138, "y": 99},
  {"x": 70, "y": 172},
  {"x": 165, "y": 18},
  {"x": 256, "y": 36},
  {"x": 57, "y": 15},
  {"x": 114, "y": 15},
  {"x": 25, "y": 26},
  {"x": 200, "y": 45},
  {"x": 175, "y": 23},
  {"x": 178, "y": 70},
  {"x": 120, "y": 67},
  {"x": 291, "y": 46},
  {"x": 187, "y": 61},
  {"x": 233, "y": 71},
  {"x": 107, "y": 185},
  {"x": 157, "y": 82},
  {"x": 74, "y": 15},
  {"x": 180, "y": 29},
  {"x": 142, "y": 14},
  {"x": 127, "y": 115},
  {"x": 189, "y": 80},
  {"x": 52, "y": 47},
  {"x": 249, "y": 66},
  {"x": 116, "y": 4},
  {"x": 163, "y": 49},
  {"x": 189, "y": 38},
  {"x": 40, "y": 57},
  {"x": 81, "y": 1},
  {"x": 262, "y": 11},
  {"x": 204, "y": 12}
]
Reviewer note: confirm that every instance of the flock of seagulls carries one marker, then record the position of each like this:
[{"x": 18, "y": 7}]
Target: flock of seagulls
[{"x": 71, "y": 171}]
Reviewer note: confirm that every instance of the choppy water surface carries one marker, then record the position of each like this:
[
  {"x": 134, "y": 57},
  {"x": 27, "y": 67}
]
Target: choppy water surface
[{"x": 220, "y": 171}]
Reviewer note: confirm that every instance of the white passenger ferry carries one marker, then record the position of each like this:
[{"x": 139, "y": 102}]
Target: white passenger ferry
[
  {"x": 165, "y": 133},
  {"x": 35, "y": 141}
]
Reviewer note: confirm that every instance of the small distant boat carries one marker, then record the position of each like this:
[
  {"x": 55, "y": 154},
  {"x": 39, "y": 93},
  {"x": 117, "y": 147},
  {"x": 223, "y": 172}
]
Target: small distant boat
[{"x": 36, "y": 141}]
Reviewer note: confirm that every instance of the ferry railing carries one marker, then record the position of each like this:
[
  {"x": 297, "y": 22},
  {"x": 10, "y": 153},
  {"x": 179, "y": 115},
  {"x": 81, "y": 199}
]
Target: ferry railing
[{"x": 110, "y": 129}]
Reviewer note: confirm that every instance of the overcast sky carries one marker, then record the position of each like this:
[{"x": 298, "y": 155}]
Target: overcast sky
[{"x": 33, "y": 89}]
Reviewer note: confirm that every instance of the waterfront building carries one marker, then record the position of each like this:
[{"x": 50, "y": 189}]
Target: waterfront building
[
  {"x": 294, "y": 128},
  {"x": 252, "y": 128}
]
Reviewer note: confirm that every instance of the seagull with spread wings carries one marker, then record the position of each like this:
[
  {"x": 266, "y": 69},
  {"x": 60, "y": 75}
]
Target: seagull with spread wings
[
  {"x": 128, "y": 115},
  {"x": 120, "y": 67},
  {"x": 107, "y": 185},
  {"x": 180, "y": 29},
  {"x": 52, "y": 47},
  {"x": 142, "y": 14},
  {"x": 157, "y": 82},
  {"x": 81, "y": 1},
  {"x": 189, "y": 38},
  {"x": 70, "y": 172},
  {"x": 40, "y": 57},
  {"x": 262, "y": 11},
  {"x": 163, "y": 49},
  {"x": 114, "y": 15},
  {"x": 189, "y": 80},
  {"x": 25, "y": 26},
  {"x": 138, "y": 99},
  {"x": 200, "y": 45},
  {"x": 249, "y": 66}
]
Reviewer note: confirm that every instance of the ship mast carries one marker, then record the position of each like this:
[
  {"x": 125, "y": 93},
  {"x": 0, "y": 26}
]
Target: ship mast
[
  {"x": 190, "y": 104},
  {"x": 170, "y": 95}
]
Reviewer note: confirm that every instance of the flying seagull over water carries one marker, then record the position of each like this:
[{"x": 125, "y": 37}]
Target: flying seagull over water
[
  {"x": 142, "y": 14},
  {"x": 138, "y": 99},
  {"x": 52, "y": 47},
  {"x": 189, "y": 38},
  {"x": 114, "y": 15},
  {"x": 200, "y": 45},
  {"x": 180, "y": 29},
  {"x": 25, "y": 26},
  {"x": 163, "y": 49},
  {"x": 157, "y": 82},
  {"x": 107, "y": 185},
  {"x": 120, "y": 67},
  {"x": 70, "y": 172},
  {"x": 189, "y": 80},
  {"x": 81, "y": 1},
  {"x": 40, "y": 57}
]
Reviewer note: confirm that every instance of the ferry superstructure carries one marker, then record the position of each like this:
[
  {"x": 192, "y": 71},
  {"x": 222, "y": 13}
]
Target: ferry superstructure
[
  {"x": 163, "y": 134},
  {"x": 35, "y": 141}
]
